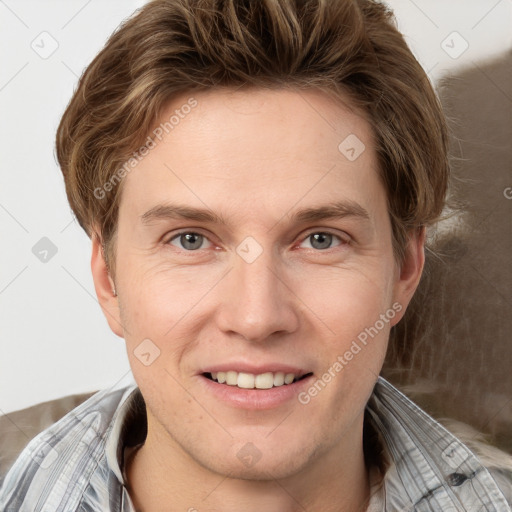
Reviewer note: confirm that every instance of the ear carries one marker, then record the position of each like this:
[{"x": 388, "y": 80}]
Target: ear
[
  {"x": 409, "y": 274},
  {"x": 104, "y": 286}
]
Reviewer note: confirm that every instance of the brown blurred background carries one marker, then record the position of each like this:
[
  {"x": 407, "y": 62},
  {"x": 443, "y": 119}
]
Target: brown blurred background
[{"x": 453, "y": 351}]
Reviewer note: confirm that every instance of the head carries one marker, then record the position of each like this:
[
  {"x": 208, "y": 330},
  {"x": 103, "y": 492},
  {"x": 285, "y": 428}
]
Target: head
[{"x": 263, "y": 115}]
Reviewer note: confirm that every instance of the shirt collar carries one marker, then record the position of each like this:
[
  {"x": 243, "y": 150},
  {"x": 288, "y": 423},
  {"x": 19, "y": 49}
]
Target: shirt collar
[
  {"x": 431, "y": 468},
  {"x": 129, "y": 427},
  {"x": 429, "y": 465}
]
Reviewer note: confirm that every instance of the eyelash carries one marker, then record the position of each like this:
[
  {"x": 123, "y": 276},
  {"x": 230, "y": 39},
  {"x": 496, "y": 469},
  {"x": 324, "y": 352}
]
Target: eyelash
[{"x": 343, "y": 242}]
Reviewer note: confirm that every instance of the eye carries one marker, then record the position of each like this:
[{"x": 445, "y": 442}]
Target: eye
[
  {"x": 188, "y": 240},
  {"x": 192, "y": 241},
  {"x": 321, "y": 240}
]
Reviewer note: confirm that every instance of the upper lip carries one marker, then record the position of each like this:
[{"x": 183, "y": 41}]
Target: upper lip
[{"x": 255, "y": 369}]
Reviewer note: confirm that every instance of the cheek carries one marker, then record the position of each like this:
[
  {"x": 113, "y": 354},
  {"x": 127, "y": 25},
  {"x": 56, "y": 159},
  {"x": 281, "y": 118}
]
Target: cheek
[
  {"x": 162, "y": 311},
  {"x": 346, "y": 299},
  {"x": 155, "y": 294},
  {"x": 352, "y": 358},
  {"x": 354, "y": 313}
]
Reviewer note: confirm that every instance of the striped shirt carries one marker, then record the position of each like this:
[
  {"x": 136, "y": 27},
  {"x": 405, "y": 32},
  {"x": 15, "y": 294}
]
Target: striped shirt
[{"x": 76, "y": 465}]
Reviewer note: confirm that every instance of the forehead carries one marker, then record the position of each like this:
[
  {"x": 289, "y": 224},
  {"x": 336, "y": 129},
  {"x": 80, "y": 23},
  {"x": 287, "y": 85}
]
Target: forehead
[
  {"x": 271, "y": 147},
  {"x": 267, "y": 122}
]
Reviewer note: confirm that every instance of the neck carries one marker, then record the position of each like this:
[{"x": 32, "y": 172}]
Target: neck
[{"x": 161, "y": 476}]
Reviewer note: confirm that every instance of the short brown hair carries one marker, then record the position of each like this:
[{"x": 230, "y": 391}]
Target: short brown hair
[{"x": 347, "y": 47}]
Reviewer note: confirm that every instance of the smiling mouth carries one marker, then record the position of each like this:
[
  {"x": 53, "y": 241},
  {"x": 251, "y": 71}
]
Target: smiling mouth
[{"x": 244, "y": 380}]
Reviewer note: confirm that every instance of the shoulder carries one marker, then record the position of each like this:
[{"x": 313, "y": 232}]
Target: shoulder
[
  {"x": 59, "y": 462},
  {"x": 497, "y": 462},
  {"x": 429, "y": 464}
]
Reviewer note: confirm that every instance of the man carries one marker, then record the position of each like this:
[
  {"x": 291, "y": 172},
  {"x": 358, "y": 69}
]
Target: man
[{"x": 256, "y": 179}]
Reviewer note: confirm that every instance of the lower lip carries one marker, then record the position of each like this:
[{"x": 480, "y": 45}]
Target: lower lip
[{"x": 255, "y": 398}]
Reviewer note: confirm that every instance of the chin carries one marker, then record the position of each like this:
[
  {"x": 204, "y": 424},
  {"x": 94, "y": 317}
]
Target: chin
[
  {"x": 262, "y": 472},
  {"x": 268, "y": 463}
]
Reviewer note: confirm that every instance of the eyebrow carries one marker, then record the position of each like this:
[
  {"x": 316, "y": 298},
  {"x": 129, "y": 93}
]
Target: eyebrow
[{"x": 336, "y": 210}]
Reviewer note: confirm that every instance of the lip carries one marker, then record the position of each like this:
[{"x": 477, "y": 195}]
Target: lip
[
  {"x": 255, "y": 370},
  {"x": 255, "y": 399}
]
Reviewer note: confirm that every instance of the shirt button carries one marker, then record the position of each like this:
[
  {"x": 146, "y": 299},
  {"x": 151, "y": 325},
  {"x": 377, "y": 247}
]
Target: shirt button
[{"x": 456, "y": 479}]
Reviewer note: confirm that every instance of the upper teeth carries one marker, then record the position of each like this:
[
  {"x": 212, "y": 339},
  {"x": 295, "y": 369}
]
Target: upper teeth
[{"x": 251, "y": 381}]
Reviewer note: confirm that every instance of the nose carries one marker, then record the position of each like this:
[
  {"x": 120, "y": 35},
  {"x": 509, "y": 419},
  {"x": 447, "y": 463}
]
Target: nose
[{"x": 257, "y": 300}]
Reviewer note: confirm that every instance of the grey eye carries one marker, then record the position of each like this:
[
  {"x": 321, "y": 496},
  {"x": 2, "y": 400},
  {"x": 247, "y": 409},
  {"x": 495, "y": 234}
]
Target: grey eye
[
  {"x": 189, "y": 241},
  {"x": 320, "y": 240}
]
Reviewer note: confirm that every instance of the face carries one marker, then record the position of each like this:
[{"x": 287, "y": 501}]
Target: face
[{"x": 254, "y": 240}]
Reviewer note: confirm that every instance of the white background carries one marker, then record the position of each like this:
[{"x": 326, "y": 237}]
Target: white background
[{"x": 54, "y": 340}]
